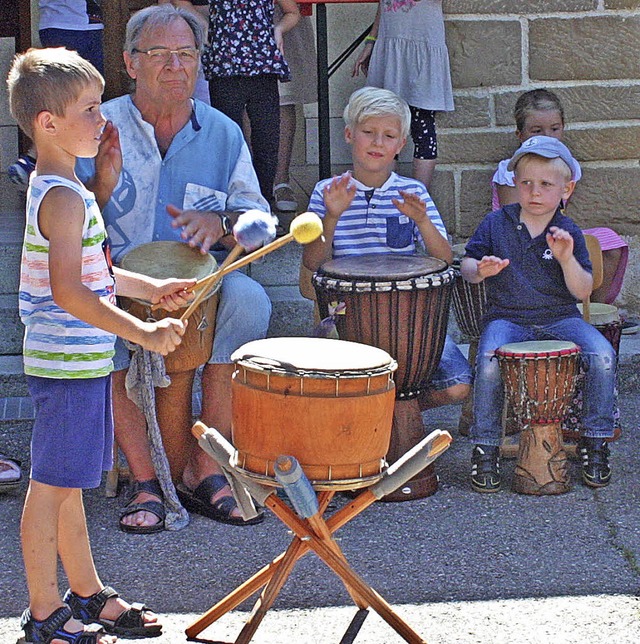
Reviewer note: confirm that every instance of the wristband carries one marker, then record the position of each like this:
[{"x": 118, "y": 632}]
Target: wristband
[
  {"x": 370, "y": 39},
  {"x": 227, "y": 228}
]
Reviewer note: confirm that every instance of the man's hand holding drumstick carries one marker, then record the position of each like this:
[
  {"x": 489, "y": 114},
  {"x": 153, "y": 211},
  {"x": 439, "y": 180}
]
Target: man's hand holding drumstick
[{"x": 251, "y": 230}]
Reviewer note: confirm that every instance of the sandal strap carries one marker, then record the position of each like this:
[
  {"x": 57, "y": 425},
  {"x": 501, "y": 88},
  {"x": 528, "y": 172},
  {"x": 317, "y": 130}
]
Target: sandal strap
[
  {"x": 52, "y": 628},
  {"x": 152, "y": 486},
  {"x": 155, "y": 507},
  {"x": 132, "y": 617},
  {"x": 88, "y": 609},
  {"x": 47, "y": 627},
  {"x": 11, "y": 459},
  {"x": 210, "y": 485},
  {"x": 282, "y": 185}
]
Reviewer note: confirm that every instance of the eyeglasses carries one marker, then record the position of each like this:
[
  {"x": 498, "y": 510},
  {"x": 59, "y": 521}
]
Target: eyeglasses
[{"x": 162, "y": 55}]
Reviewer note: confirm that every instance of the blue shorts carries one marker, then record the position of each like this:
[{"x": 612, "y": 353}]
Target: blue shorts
[
  {"x": 72, "y": 440},
  {"x": 453, "y": 368}
]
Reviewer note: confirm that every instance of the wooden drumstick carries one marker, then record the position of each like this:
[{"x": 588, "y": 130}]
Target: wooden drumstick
[
  {"x": 206, "y": 284},
  {"x": 252, "y": 229},
  {"x": 305, "y": 228}
]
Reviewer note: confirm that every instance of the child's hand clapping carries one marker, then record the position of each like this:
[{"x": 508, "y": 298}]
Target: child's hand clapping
[
  {"x": 338, "y": 195},
  {"x": 491, "y": 265},
  {"x": 561, "y": 244},
  {"x": 411, "y": 206}
]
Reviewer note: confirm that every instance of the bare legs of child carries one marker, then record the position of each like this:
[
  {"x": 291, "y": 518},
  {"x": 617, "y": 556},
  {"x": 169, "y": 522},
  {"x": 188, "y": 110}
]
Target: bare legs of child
[
  {"x": 54, "y": 522},
  {"x": 423, "y": 170}
]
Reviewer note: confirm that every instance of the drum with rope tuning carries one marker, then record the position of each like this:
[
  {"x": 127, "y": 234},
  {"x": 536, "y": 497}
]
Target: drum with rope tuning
[
  {"x": 167, "y": 259},
  {"x": 398, "y": 303},
  {"x": 539, "y": 380}
]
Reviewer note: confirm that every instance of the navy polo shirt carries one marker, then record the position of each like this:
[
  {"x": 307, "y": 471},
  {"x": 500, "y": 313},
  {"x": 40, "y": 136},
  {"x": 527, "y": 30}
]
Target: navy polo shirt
[{"x": 531, "y": 290}]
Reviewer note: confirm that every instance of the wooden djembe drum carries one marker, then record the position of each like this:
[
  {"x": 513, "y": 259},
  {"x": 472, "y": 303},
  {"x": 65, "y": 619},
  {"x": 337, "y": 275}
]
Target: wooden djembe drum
[
  {"x": 539, "y": 381},
  {"x": 162, "y": 260},
  {"x": 400, "y": 304}
]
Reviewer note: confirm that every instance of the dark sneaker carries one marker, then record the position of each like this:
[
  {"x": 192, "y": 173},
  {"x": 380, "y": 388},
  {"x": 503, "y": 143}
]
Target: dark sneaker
[
  {"x": 20, "y": 171},
  {"x": 595, "y": 462},
  {"x": 485, "y": 468}
]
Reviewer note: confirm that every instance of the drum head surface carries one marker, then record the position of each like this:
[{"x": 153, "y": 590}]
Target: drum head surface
[
  {"x": 383, "y": 267},
  {"x": 537, "y": 347},
  {"x": 601, "y": 314},
  {"x": 312, "y": 355},
  {"x": 165, "y": 259}
]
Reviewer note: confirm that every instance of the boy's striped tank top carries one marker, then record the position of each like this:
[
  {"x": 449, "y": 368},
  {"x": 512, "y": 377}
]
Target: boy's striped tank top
[{"x": 57, "y": 344}]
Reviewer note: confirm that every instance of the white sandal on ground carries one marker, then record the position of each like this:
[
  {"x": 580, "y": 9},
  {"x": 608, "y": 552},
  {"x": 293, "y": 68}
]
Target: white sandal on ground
[
  {"x": 285, "y": 198},
  {"x": 11, "y": 475}
]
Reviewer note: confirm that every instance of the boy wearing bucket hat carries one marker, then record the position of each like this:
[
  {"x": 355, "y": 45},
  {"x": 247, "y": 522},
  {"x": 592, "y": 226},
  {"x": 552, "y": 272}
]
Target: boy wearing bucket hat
[{"x": 536, "y": 266}]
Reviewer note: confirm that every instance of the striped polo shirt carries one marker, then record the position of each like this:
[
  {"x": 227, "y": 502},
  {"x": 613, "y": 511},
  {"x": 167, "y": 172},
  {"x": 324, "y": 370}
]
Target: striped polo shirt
[
  {"x": 372, "y": 224},
  {"x": 57, "y": 344}
]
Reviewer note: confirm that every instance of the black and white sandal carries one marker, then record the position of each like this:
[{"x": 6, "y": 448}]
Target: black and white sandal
[{"x": 130, "y": 623}]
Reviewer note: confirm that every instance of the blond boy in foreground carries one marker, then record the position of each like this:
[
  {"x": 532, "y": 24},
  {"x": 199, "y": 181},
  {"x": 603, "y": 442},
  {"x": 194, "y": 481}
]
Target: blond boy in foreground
[{"x": 67, "y": 303}]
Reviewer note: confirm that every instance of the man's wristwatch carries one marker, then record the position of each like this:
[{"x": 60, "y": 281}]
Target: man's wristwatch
[{"x": 227, "y": 228}]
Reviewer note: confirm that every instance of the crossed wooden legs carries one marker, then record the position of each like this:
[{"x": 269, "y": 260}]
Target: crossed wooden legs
[{"x": 314, "y": 534}]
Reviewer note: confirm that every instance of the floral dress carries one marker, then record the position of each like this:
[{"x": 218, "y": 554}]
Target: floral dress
[{"x": 242, "y": 41}]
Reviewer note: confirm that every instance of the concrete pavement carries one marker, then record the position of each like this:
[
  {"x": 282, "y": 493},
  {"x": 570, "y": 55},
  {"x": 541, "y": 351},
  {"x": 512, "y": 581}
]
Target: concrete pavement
[{"x": 458, "y": 566}]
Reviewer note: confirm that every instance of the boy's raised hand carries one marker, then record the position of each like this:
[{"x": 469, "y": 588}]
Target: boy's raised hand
[
  {"x": 412, "y": 206},
  {"x": 108, "y": 163},
  {"x": 164, "y": 335},
  {"x": 491, "y": 265},
  {"x": 561, "y": 244},
  {"x": 338, "y": 195}
]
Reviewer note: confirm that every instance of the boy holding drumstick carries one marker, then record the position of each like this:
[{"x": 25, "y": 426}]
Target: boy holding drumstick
[{"x": 67, "y": 303}]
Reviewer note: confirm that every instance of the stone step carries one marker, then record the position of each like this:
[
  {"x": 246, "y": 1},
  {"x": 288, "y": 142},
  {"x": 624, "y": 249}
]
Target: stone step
[
  {"x": 10, "y": 263},
  {"x": 11, "y": 330},
  {"x": 12, "y": 379}
]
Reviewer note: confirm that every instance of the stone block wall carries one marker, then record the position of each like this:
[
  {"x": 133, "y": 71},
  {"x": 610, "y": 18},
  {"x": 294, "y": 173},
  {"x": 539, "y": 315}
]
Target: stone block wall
[{"x": 587, "y": 51}]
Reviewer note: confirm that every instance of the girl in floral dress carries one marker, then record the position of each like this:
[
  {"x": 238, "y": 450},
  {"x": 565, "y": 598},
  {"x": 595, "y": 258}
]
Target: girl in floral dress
[{"x": 243, "y": 63}]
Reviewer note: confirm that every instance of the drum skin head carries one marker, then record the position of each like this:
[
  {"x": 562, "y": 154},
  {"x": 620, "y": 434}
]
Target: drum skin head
[
  {"x": 601, "y": 314},
  {"x": 166, "y": 259},
  {"x": 534, "y": 348},
  {"x": 169, "y": 259},
  {"x": 384, "y": 267},
  {"x": 312, "y": 355}
]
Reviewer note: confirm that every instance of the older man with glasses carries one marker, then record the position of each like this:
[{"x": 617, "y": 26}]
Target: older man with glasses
[{"x": 179, "y": 170}]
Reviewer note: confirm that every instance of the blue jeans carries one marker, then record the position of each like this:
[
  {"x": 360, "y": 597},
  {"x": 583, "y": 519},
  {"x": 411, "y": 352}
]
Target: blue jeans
[
  {"x": 597, "y": 355},
  {"x": 244, "y": 310},
  {"x": 453, "y": 368}
]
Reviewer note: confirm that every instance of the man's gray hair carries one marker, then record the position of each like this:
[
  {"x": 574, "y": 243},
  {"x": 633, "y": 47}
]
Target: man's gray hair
[{"x": 160, "y": 16}]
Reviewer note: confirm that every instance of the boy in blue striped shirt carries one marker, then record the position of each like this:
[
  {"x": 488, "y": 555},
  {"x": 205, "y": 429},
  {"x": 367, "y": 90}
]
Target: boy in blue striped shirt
[{"x": 371, "y": 209}]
